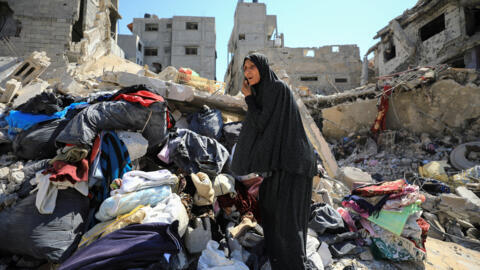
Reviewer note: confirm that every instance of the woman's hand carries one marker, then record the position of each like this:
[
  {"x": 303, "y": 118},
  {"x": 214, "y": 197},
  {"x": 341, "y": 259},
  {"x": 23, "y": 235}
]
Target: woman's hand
[{"x": 246, "y": 90}]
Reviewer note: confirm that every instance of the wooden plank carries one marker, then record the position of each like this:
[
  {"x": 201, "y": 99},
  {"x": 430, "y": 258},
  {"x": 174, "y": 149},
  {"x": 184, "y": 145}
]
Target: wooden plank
[{"x": 317, "y": 139}]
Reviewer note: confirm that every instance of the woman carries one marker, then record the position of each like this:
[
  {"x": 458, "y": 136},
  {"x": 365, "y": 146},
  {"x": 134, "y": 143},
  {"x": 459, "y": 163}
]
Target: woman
[{"x": 273, "y": 143}]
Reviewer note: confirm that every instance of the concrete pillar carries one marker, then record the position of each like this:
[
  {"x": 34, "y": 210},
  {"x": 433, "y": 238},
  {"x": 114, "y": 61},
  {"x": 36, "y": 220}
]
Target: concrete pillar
[{"x": 364, "y": 76}]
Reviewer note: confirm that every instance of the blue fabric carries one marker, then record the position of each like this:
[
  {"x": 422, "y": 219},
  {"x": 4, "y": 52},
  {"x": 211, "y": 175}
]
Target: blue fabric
[
  {"x": 114, "y": 161},
  {"x": 18, "y": 121}
]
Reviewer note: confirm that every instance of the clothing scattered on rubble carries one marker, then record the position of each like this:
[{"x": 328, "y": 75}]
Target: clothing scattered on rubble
[{"x": 90, "y": 196}]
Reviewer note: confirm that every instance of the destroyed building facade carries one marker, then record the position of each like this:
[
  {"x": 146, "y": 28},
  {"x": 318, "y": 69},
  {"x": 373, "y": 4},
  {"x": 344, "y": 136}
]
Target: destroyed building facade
[
  {"x": 432, "y": 32},
  {"x": 133, "y": 48},
  {"x": 68, "y": 31},
  {"x": 323, "y": 70},
  {"x": 180, "y": 41}
]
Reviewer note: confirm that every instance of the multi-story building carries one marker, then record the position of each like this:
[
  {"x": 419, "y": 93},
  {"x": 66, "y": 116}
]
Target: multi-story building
[
  {"x": 133, "y": 47},
  {"x": 323, "y": 70},
  {"x": 432, "y": 32},
  {"x": 180, "y": 41}
]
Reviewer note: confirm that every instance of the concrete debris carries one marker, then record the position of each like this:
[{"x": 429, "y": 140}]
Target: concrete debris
[
  {"x": 11, "y": 89},
  {"x": 31, "y": 68},
  {"x": 430, "y": 33},
  {"x": 69, "y": 86},
  {"x": 27, "y": 92}
]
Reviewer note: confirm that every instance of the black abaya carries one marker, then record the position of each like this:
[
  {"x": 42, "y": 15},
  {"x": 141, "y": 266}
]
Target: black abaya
[{"x": 273, "y": 140}]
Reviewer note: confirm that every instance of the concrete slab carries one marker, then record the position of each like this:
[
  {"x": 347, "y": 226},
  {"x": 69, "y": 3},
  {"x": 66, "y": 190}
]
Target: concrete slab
[
  {"x": 11, "y": 89},
  {"x": 28, "y": 92}
]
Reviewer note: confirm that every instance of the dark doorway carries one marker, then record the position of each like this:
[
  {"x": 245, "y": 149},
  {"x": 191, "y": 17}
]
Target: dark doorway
[
  {"x": 472, "y": 20},
  {"x": 8, "y": 26},
  {"x": 432, "y": 28},
  {"x": 77, "y": 29}
]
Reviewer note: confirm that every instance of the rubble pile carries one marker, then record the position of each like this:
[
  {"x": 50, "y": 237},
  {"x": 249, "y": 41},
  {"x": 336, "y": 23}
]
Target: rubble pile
[
  {"x": 444, "y": 163},
  {"x": 113, "y": 155}
]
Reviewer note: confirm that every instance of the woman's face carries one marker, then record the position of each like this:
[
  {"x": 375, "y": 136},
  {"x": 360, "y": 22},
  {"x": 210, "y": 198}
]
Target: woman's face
[{"x": 251, "y": 72}]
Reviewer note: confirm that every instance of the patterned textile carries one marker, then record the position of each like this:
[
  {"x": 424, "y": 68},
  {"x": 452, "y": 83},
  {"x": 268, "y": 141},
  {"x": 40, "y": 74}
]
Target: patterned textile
[
  {"x": 382, "y": 188},
  {"x": 396, "y": 248}
]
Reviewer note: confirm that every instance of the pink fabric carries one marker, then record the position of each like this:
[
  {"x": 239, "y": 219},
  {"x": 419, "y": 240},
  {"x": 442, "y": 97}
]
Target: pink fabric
[
  {"x": 355, "y": 207},
  {"x": 253, "y": 185},
  {"x": 366, "y": 224},
  {"x": 406, "y": 190},
  {"x": 347, "y": 218}
]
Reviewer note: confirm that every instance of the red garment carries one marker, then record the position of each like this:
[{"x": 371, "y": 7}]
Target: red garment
[
  {"x": 380, "y": 121},
  {"x": 384, "y": 188},
  {"x": 95, "y": 149},
  {"x": 63, "y": 171},
  {"x": 253, "y": 185},
  {"x": 145, "y": 98},
  {"x": 244, "y": 202}
]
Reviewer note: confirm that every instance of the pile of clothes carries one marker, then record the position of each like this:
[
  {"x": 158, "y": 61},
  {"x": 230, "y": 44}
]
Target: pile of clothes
[
  {"x": 390, "y": 213},
  {"x": 117, "y": 183}
]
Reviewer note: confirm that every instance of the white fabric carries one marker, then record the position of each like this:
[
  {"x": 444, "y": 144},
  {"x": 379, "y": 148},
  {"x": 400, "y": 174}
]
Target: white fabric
[
  {"x": 312, "y": 246},
  {"x": 138, "y": 180},
  {"x": 215, "y": 259},
  {"x": 46, "y": 198},
  {"x": 120, "y": 204},
  {"x": 167, "y": 211},
  {"x": 224, "y": 184}
]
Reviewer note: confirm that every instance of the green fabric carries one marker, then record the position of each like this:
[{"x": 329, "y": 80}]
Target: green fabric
[{"x": 394, "y": 221}]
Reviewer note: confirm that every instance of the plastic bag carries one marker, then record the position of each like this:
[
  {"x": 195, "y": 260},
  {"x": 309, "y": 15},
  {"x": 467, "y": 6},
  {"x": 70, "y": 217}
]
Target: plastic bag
[
  {"x": 53, "y": 237},
  {"x": 207, "y": 122},
  {"x": 215, "y": 259},
  {"x": 123, "y": 203}
]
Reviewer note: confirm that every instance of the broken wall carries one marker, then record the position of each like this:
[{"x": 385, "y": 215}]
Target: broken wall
[
  {"x": 445, "y": 105},
  {"x": 324, "y": 70},
  {"x": 68, "y": 31},
  {"x": 46, "y": 26},
  {"x": 435, "y": 33}
]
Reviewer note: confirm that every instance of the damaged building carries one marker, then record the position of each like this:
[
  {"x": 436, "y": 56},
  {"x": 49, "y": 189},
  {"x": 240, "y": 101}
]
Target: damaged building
[
  {"x": 322, "y": 70},
  {"x": 432, "y": 32},
  {"x": 133, "y": 48},
  {"x": 68, "y": 31},
  {"x": 180, "y": 41}
]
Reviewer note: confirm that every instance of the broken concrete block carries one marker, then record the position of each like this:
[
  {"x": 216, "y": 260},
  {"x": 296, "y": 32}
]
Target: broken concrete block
[
  {"x": 168, "y": 74},
  {"x": 452, "y": 201},
  {"x": 28, "y": 92},
  {"x": 69, "y": 86},
  {"x": 126, "y": 79},
  {"x": 11, "y": 88},
  {"x": 351, "y": 175},
  {"x": 180, "y": 92},
  {"x": 136, "y": 144},
  {"x": 431, "y": 202},
  {"x": 31, "y": 68},
  {"x": 473, "y": 202}
]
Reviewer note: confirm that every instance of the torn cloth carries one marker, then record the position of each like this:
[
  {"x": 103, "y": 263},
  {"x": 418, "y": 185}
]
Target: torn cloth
[
  {"x": 46, "y": 197},
  {"x": 63, "y": 171},
  {"x": 381, "y": 120}
]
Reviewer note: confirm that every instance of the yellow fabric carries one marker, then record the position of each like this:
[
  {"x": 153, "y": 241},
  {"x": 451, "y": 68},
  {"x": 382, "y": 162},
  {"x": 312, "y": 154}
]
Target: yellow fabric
[{"x": 104, "y": 228}]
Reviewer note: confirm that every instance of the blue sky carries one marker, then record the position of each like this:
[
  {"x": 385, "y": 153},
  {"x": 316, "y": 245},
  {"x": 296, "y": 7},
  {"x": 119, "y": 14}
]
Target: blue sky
[{"x": 305, "y": 23}]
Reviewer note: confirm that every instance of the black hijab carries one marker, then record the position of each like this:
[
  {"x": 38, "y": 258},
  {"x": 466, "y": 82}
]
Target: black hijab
[{"x": 272, "y": 136}]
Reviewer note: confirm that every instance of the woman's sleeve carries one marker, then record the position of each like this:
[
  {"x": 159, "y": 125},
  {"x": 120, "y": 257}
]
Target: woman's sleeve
[{"x": 260, "y": 116}]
